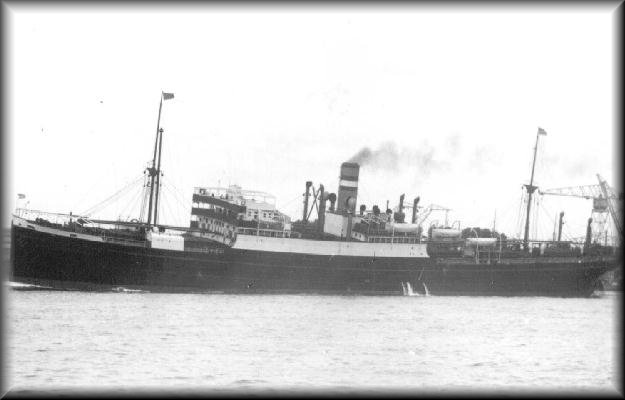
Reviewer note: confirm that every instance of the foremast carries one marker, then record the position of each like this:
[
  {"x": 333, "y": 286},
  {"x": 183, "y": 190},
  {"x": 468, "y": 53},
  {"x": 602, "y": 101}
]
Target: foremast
[{"x": 154, "y": 172}]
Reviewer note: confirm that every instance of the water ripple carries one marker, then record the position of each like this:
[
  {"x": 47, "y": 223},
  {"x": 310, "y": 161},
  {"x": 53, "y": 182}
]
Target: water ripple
[{"x": 341, "y": 344}]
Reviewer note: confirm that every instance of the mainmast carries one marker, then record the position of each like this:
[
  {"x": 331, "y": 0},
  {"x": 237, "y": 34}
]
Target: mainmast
[
  {"x": 530, "y": 190},
  {"x": 155, "y": 170}
]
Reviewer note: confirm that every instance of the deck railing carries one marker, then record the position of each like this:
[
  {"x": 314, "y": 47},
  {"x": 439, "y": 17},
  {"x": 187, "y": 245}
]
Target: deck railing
[{"x": 267, "y": 232}]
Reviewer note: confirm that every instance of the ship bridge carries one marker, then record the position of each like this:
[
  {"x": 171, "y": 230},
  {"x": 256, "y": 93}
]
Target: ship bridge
[{"x": 222, "y": 209}]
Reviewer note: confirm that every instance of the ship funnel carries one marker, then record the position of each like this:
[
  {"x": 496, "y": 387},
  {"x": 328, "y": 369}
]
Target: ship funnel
[
  {"x": 414, "y": 209},
  {"x": 348, "y": 187},
  {"x": 332, "y": 198},
  {"x": 362, "y": 209}
]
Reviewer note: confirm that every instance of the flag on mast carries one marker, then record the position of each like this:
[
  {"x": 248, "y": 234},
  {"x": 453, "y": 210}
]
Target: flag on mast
[
  {"x": 167, "y": 96},
  {"x": 541, "y": 131}
]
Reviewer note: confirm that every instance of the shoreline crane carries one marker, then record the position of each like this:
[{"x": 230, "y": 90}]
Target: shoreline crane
[{"x": 603, "y": 205}]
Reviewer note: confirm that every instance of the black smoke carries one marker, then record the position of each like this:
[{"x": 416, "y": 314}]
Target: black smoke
[{"x": 389, "y": 157}]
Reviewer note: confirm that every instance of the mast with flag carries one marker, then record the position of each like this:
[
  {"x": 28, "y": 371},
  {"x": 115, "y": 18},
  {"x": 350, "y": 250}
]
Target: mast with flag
[
  {"x": 530, "y": 190},
  {"x": 155, "y": 170}
]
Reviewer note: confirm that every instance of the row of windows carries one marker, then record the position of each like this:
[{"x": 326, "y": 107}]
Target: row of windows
[
  {"x": 206, "y": 223},
  {"x": 393, "y": 240},
  {"x": 266, "y": 213},
  {"x": 217, "y": 209},
  {"x": 207, "y": 206}
]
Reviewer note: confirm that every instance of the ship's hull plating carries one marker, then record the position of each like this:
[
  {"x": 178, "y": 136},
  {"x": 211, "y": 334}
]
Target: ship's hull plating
[{"x": 70, "y": 263}]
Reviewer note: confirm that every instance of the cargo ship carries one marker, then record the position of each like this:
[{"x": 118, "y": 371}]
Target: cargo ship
[{"x": 237, "y": 241}]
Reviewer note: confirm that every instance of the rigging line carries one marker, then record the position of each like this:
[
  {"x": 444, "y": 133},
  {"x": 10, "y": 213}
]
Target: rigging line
[
  {"x": 176, "y": 185},
  {"x": 91, "y": 210},
  {"x": 566, "y": 236},
  {"x": 175, "y": 192},
  {"x": 136, "y": 211},
  {"x": 184, "y": 215},
  {"x": 521, "y": 215},
  {"x": 162, "y": 212},
  {"x": 106, "y": 205},
  {"x": 98, "y": 205},
  {"x": 95, "y": 183},
  {"x": 171, "y": 195},
  {"x": 90, "y": 190},
  {"x": 285, "y": 205},
  {"x": 172, "y": 182},
  {"x": 185, "y": 204},
  {"x": 161, "y": 201},
  {"x": 130, "y": 195},
  {"x": 166, "y": 200},
  {"x": 174, "y": 218},
  {"x": 131, "y": 204},
  {"x": 168, "y": 188},
  {"x": 546, "y": 225},
  {"x": 145, "y": 194},
  {"x": 120, "y": 210},
  {"x": 548, "y": 213},
  {"x": 180, "y": 196},
  {"x": 535, "y": 216},
  {"x": 506, "y": 216}
]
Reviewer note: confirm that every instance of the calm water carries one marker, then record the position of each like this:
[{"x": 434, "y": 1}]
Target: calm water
[{"x": 134, "y": 341}]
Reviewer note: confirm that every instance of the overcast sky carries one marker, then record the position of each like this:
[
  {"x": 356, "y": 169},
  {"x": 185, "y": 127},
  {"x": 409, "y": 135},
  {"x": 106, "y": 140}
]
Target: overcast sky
[{"x": 270, "y": 97}]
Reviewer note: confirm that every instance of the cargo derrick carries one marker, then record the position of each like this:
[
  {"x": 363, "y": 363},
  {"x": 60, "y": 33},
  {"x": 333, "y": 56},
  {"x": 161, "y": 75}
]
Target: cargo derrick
[
  {"x": 343, "y": 221},
  {"x": 305, "y": 228}
]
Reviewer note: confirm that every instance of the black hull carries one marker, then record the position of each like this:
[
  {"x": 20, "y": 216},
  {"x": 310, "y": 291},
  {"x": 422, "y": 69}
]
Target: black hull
[{"x": 70, "y": 263}]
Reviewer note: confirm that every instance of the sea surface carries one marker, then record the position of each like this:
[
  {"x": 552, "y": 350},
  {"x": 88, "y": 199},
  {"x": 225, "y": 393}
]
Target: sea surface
[{"x": 132, "y": 342}]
